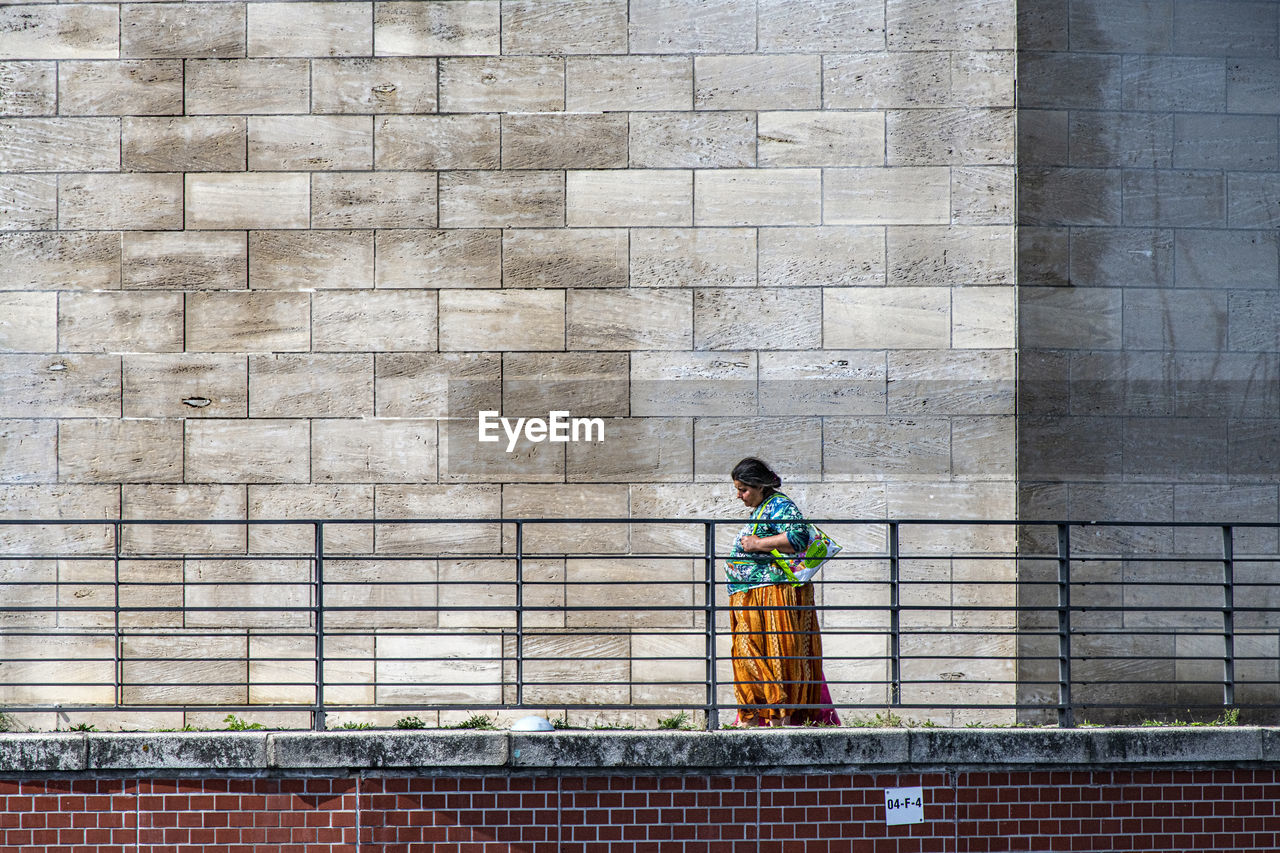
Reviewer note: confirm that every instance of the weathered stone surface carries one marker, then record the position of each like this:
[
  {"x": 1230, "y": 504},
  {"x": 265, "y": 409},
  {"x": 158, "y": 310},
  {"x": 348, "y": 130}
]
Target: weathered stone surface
[
  {"x": 28, "y": 202},
  {"x": 28, "y": 88},
  {"x": 849, "y": 382},
  {"x": 886, "y": 318},
  {"x": 310, "y": 143},
  {"x": 178, "y": 750},
  {"x": 36, "y": 753},
  {"x": 114, "y": 202},
  {"x": 373, "y": 451},
  {"x": 1174, "y": 199},
  {"x": 247, "y": 86},
  {"x": 573, "y": 257},
  {"x": 587, "y": 384},
  {"x": 30, "y": 322},
  {"x": 623, "y": 197},
  {"x": 564, "y": 27},
  {"x": 28, "y": 451},
  {"x": 755, "y": 82},
  {"x": 1059, "y": 80},
  {"x": 696, "y": 383},
  {"x": 692, "y": 257},
  {"x": 956, "y": 255},
  {"x": 120, "y": 88},
  {"x": 295, "y": 260},
  {"x": 439, "y": 142},
  {"x": 248, "y": 200},
  {"x": 668, "y": 26},
  {"x": 960, "y": 137},
  {"x": 194, "y": 144},
  {"x": 982, "y": 195},
  {"x": 454, "y": 258},
  {"x": 159, "y": 386},
  {"x": 887, "y": 449},
  {"x": 758, "y": 197},
  {"x": 309, "y": 29},
  {"x": 131, "y": 451},
  {"x": 459, "y": 669},
  {"x": 365, "y": 85},
  {"x": 605, "y": 83},
  {"x": 564, "y": 141},
  {"x": 821, "y": 139},
  {"x": 502, "y": 84},
  {"x": 795, "y": 444},
  {"x": 1056, "y": 318},
  {"x": 958, "y": 383},
  {"x": 769, "y": 319},
  {"x": 184, "y": 260},
  {"x": 635, "y": 450},
  {"x": 912, "y": 194},
  {"x": 438, "y": 385},
  {"x": 961, "y": 24},
  {"x": 90, "y": 31},
  {"x": 152, "y": 31},
  {"x": 176, "y": 668},
  {"x": 1253, "y": 200},
  {"x": 388, "y": 749},
  {"x": 876, "y": 80},
  {"x": 502, "y": 199},
  {"x": 257, "y": 451},
  {"x": 824, "y": 256},
  {"x": 691, "y": 140},
  {"x": 438, "y": 502},
  {"x": 248, "y": 322},
  {"x": 506, "y": 320},
  {"x": 373, "y": 200},
  {"x": 813, "y": 26},
  {"x": 434, "y": 28},
  {"x": 59, "y": 144},
  {"x": 304, "y": 501},
  {"x": 131, "y": 322},
  {"x": 180, "y": 502},
  {"x": 1237, "y": 258},
  {"x": 68, "y": 261},
  {"x": 52, "y": 386},
  {"x": 381, "y": 321},
  {"x": 983, "y": 317},
  {"x": 645, "y": 319},
  {"x": 566, "y": 501},
  {"x": 315, "y": 386}
]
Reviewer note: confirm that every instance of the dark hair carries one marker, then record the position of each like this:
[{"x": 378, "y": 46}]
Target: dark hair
[{"x": 754, "y": 472}]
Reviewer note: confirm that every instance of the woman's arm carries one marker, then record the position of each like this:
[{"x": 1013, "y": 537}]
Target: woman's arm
[{"x": 779, "y": 542}]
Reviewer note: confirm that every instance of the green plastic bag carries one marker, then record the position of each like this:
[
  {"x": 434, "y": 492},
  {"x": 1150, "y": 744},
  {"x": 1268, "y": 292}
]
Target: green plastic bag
[{"x": 801, "y": 568}]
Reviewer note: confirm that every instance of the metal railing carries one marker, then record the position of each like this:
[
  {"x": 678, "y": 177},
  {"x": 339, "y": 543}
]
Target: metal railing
[{"x": 964, "y": 620}]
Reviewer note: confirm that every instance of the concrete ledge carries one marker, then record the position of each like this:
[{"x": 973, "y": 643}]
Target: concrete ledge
[{"x": 470, "y": 752}]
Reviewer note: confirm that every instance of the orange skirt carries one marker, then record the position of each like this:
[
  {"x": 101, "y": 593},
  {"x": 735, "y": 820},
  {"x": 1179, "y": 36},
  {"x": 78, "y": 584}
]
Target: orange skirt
[{"x": 777, "y": 653}]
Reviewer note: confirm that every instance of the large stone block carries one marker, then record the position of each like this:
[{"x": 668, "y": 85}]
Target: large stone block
[
  {"x": 635, "y": 450},
  {"x": 1252, "y": 200},
  {"x": 965, "y": 137},
  {"x": 1251, "y": 84},
  {"x": 89, "y": 31},
  {"x": 115, "y": 321},
  {"x": 440, "y": 503},
  {"x": 1174, "y": 83},
  {"x": 142, "y": 87},
  {"x": 375, "y": 593},
  {"x": 477, "y": 593},
  {"x": 693, "y": 257},
  {"x": 1253, "y": 320},
  {"x": 886, "y": 318},
  {"x": 374, "y": 200},
  {"x": 68, "y": 386},
  {"x": 696, "y": 383},
  {"x": 620, "y": 197},
  {"x": 758, "y": 197},
  {"x": 692, "y": 140},
  {"x": 248, "y": 322},
  {"x": 282, "y": 502},
  {"x": 570, "y": 502},
  {"x": 114, "y": 202},
  {"x": 625, "y": 83},
  {"x": 247, "y": 86},
  {"x": 592, "y": 384},
  {"x": 506, "y": 320},
  {"x": 185, "y": 386},
  {"x": 502, "y": 199},
  {"x": 917, "y": 195},
  {"x": 28, "y": 451},
  {"x": 564, "y": 141},
  {"x": 379, "y": 321},
  {"x": 1237, "y": 258},
  {"x": 1121, "y": 257},
  {"x": 1133, "y": 140},
  {"x": 950, "y": 24},
  {"x": 434, "y": 28},
  {"x": 310, "y": 143},
  {"x": 1098, "y": 26},
  {"x": 851, "y": 382},
  {"x": 59, "y": 502},
  {"x": 1056, "y": 318},
  {"x": 794, "y": 444},
  {"x": 28, "y": 202},
  {"x": 755, "y": 82},
  {"x": 780, "y": 318},
  {"x": 983, "y": 317},
  {"x": 1168, "y": 320},
  {"x": 821, "y": 257},
  {"x": 186, "y": 31},
  {"x": 368, "y": 85},
  {"x": 1240, "y": 143},
  {"x": 603, "y": 592},
  {"x": 439, "y": 142},
  {"x": 373, "y": 451},
  {"x": 575, "y": 668},
  {"x": 282, "y": 670},
  {"x": 28, "y": 88},
  {"x": 256, "y": 451},
  {"x": 669, "y": 26},
  {"x": 876, "y": 80},
  {"x": 193, "y": 144},
  {"x": 886, "y": 449},
  {"x": 309, "y": 29},
  {"x": 437, "y": 385},
  {"x": 310, "y": 386},
  {"x": 244, "y": 200},
  {"x": 564, "y": 257},
  {"x": 439, "y": 668},
  {"x": 39, "y": 668},
  {"x": 502, "y": 84},
  {"x": 28, "y": 584},
  {"x": 455, "y": 258},
  {"x": 464, "y": 458},
  {"x": 65, "y": 261},
  {"x": 955, "y": 255},
  {"x": 564, "y": 27},
  {"x": 814, "y": 26},
  {"x": 297, "y": 260},
  {"x": 185, "y": 668},
  {"x": 184, "y": 260},
  {"x": 971, "y": 382},
  {"x": 799, "y": 138},
  {"x": 127, "y": 451},
  {"x": 1043, "y": 137},
  {"x": 1060, "y": 80},
  {"x": 646, "y": 319},
  {"x": 30, "y": 322},
  {"x": 159, "y": 502},
  {"x": 982, "y": 195},
  {"x": 1206, "y": 29}
]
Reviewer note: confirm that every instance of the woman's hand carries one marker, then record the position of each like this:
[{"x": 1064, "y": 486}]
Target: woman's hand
[
  {"x": 766, "y": 544},
  {"x": 751, "y": 543}
]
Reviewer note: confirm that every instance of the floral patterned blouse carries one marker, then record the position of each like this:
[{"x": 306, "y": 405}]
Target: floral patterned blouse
[{"x": 750, "y": 569}]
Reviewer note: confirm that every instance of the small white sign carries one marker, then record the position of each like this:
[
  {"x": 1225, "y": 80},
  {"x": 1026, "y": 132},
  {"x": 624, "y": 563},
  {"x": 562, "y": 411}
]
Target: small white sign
[{"x": 903, "y": 805}]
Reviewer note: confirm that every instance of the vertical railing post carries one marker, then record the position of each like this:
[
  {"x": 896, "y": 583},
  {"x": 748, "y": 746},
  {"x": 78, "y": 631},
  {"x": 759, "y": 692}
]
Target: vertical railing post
[
  {"x": 1066, "y": 712},
  {"x": 895, "y": 618},
  {"x": 709, "y": 553},
  {"x": 317, "y": 714},
  {"x": 119, "y": 652},
  {"x": 519, "y": 614},
  {"x": 1228, "y": 617}
]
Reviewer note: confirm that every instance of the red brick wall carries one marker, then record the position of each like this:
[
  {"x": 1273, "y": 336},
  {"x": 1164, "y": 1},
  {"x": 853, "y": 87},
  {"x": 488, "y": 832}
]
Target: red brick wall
[{"x": 1200, "y": 810}]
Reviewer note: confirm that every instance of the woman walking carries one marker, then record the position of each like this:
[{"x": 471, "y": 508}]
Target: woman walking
[{"x": 777, "y": 650}]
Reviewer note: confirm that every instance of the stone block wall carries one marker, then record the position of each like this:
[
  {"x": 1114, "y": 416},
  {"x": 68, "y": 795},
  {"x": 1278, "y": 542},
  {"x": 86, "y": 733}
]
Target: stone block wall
[{"x": 266, "y": 259}]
